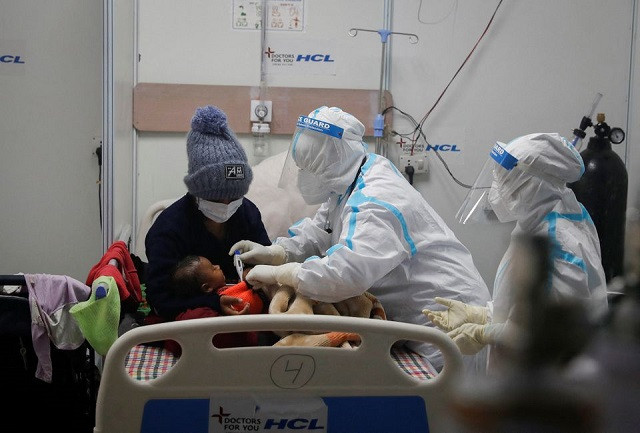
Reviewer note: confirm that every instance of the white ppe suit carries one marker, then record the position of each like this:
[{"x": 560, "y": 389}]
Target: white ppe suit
[
  {"x": 525, "y": 181},
  {"x": 376, "y": 233},
  {"x": 542, "y": 204}
]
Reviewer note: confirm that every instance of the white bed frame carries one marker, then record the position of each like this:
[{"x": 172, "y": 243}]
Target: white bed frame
[{"x": 210, "y": 389}]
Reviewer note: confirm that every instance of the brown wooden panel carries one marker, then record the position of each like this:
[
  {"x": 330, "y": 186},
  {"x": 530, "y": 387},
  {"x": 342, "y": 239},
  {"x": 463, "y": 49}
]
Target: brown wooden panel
[{"x": 169, "y": 107}]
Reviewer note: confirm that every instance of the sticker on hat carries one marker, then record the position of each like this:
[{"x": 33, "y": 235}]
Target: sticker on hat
[{"x": 234, "y": 171}]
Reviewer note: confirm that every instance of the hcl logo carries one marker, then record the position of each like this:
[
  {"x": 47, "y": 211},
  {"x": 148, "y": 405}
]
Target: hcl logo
[
  {"x": 314, "y": 58},
  {"x": 292, "y": 424},
  {"x": 10, "y": 59},
  {"x": 442, "y": 148}
]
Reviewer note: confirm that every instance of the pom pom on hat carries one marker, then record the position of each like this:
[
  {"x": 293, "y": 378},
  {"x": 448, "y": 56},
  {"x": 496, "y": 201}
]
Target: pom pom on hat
[
  {"x": 218, "y": 166},
  {"x": 209, "y": 120}
]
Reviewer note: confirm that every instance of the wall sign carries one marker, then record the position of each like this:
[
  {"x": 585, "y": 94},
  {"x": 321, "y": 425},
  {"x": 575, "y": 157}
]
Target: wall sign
[
  {"x": 300, "y": 57},
  {"x": 13, "y": 58},
  {"x": 281, "y": 15}
]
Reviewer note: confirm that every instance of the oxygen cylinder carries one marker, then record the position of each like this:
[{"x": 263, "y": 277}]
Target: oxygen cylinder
[{"x": 602, "y": 190}]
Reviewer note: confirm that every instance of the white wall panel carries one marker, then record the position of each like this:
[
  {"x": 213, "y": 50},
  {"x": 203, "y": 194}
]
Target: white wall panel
[
  {"x": 193, "y": 42},
  {"x": 50, "y": 126},
  {"x": 537, "y": 69}
]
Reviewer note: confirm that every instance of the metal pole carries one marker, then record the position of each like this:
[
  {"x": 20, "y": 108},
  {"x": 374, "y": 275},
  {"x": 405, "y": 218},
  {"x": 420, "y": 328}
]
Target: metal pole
[
  {"x": 384, "y": 36},
  {"x": 107, "y": 127},
  {"x": 379, "y": 149}
]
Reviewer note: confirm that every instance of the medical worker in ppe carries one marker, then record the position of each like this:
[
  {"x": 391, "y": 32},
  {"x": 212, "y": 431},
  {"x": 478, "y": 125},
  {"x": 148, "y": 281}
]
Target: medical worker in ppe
[
  {"x": 525, "y": 181},
  {"x": 373, "y": 231}
]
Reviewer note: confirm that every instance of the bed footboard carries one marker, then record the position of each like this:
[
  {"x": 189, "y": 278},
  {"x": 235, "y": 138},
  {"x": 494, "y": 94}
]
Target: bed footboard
[{"x": 266, "y": 388}]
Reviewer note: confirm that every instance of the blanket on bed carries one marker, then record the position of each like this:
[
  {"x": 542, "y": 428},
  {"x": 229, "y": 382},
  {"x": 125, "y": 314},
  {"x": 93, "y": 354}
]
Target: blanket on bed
[{"x": 286, "y": 301}]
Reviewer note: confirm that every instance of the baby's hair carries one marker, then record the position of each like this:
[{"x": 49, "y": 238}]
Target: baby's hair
[{"x": 185, "y": 279}]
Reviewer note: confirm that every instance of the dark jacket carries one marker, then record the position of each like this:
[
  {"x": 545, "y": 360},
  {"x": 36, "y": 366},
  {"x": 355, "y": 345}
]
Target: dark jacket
[{"x": 179, "y": 231}]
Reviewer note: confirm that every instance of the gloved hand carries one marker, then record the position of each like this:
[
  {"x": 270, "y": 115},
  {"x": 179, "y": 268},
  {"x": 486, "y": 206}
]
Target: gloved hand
[
  {"x": 254, "y": 253},
  {"x": 469, "y": 337},
  {"x": 264, "y": 275},
  {"x": 472, "y": 337},
  {"x": 456, "y": 314}
]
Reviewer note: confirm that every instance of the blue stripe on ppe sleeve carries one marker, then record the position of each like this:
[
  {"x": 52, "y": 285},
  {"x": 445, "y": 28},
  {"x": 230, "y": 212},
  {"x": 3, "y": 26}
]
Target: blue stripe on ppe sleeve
[
  {"x": 334, "y": 248},
  {"x": 358, "y": 198},
  {"x": 558, "y": 252}
]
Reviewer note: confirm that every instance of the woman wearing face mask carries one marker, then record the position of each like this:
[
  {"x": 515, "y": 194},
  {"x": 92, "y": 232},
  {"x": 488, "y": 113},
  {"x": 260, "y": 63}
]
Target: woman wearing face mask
[{"x": 211, "y": 217}]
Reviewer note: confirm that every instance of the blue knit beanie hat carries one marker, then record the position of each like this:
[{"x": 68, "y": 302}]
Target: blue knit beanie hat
[{"x": 218, "y": 166}]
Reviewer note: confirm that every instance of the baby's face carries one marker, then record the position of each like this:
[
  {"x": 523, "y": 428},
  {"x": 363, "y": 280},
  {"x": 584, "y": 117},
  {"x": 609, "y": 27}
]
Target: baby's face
[{"x": 212, "y": 274}]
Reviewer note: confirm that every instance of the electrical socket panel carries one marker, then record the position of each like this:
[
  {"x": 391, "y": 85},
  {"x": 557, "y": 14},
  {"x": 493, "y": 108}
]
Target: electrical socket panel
[
  {"x": 260, "y": 109},
  {"x": 418, "y": 161}
]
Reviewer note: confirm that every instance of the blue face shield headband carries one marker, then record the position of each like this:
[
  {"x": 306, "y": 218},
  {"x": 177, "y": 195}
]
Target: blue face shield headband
[
  {"x": 319, "y": 126},
  {"x": 502, "y": 157},
  {"x": 315, "y": 125},
  {"x": 475, "y": 207}
]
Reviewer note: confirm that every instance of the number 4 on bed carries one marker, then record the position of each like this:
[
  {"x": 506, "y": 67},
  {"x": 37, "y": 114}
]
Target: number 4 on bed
[{"x": 297, "y": 370}]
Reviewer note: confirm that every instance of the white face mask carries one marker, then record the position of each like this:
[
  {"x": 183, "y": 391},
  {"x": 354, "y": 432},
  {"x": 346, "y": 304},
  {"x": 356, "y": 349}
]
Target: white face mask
[
  {"x": 218, "y": 212},
  {"x": 499, "y": 208},
  {"x": 312, "y": 197},
  {"x": 312, "y": 189}
]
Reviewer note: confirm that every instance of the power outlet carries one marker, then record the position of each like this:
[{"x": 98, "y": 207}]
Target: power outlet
[
  {"x": 419, "y": 162},
  {"x": 260, "y": 111}
]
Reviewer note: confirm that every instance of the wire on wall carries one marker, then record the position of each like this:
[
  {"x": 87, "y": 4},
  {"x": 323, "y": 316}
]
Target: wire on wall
[
  {"x": 98, "y": 153},
  {"x": 454, "y": 7},
  {"x": 415, "y": 123},
  {"x": 421, "y": 123},
  {"x": 418, "y": 126}
]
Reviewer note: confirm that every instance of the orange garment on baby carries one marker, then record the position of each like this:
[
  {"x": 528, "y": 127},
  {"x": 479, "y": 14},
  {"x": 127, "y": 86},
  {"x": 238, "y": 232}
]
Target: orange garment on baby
[{"x": 244, "y": 292}]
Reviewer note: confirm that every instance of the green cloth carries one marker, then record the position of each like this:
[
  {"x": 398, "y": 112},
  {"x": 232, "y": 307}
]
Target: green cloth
[
  {"x": 144, "y": 308},
  {"x": 98, "y": 319}
]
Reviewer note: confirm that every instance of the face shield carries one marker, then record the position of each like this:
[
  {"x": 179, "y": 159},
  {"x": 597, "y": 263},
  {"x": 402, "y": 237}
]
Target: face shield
[
  {"x": 316, "y": 160},
  {"x": 489, "y": 199}
]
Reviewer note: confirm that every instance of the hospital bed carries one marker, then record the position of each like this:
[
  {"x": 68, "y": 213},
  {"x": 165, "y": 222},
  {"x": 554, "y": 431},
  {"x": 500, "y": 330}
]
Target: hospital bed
[
  {"x": 264, "y": 388},
  {"x": 378, "y": 386}
]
